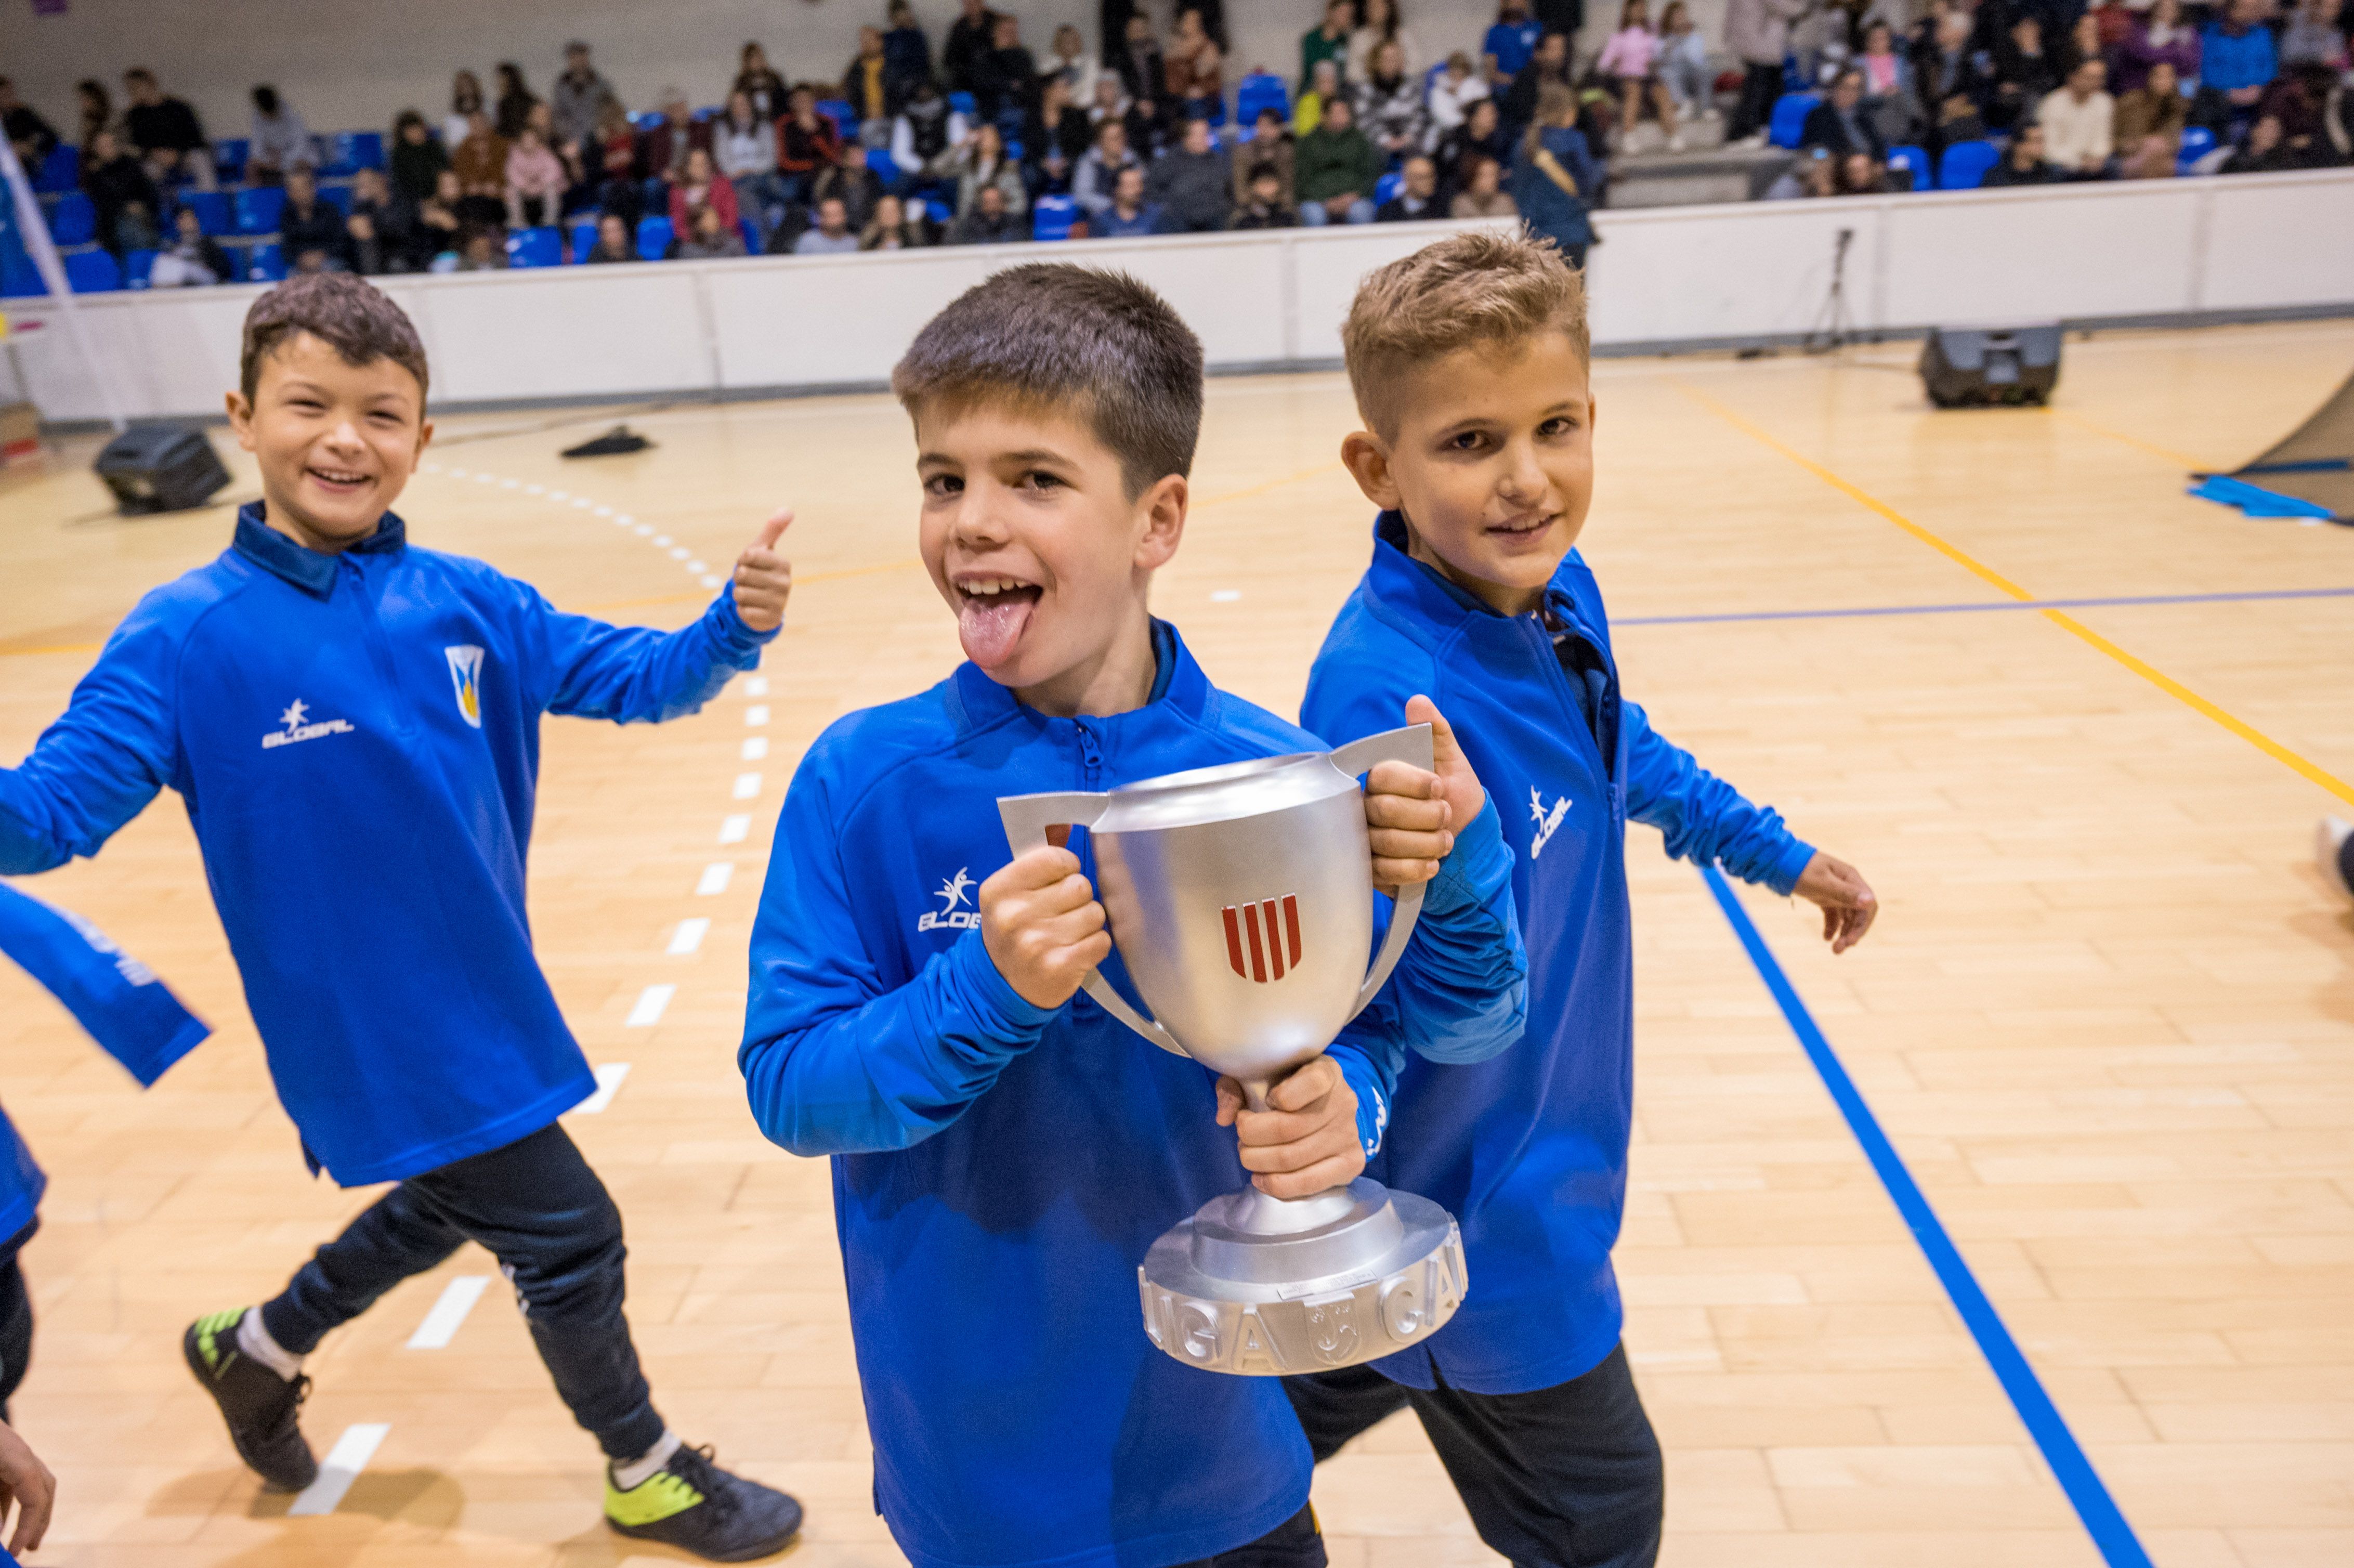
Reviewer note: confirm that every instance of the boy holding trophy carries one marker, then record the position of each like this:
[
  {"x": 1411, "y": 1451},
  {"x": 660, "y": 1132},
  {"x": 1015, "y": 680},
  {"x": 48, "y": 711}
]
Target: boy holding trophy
[{"x": 1004, "y": 1150}]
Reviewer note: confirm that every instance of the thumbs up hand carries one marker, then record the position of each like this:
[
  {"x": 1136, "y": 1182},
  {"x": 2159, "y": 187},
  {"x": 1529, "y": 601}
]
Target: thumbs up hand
[
  {"x": 1414, "y": 814},
  {"x": 763, "y": 578}
]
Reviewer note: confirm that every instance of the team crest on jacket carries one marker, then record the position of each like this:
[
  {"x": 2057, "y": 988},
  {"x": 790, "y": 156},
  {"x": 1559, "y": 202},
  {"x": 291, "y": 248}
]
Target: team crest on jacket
[
  {"x": 952, "y": 914},
  {"x": 466, "y": 675},
  {"x": 1547, "y": 821},
  {"x": 296, "y": 719}
]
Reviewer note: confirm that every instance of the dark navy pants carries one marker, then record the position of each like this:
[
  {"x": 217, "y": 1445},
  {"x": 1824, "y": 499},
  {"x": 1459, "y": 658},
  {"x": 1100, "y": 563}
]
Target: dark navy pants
[
  {"x": 536, "y": 1207},
  {"x": 1566, "y": 1477},
  {"x": 16, "y": 1319},
  {"x": 1294, "y": 1543}
]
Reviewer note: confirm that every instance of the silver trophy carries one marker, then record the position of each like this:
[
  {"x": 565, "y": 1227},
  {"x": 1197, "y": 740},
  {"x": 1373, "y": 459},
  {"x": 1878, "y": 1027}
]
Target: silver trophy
[{"x": 1241, "y": 900}]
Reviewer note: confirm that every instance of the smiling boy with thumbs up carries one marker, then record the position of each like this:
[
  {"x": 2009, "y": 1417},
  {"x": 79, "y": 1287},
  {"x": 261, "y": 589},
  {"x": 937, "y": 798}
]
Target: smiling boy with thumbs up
[{"x": 353, "y": 723}]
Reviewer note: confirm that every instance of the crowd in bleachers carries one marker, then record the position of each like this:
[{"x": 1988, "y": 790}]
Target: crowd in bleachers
[{"x": 976, "y": 139}]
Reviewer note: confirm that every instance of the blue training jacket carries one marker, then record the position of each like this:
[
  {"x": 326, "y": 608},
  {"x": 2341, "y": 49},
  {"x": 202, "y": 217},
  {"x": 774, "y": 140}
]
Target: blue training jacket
[
  {"x": 356, "y": 738},
  {"x": 1529, "y": 1149},
  {"x": 1001, "y": 1169}
]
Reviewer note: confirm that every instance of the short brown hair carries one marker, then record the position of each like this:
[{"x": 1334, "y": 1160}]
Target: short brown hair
[
  {"x": 353, "y": 317},
  {"x": 1480, "y": 289},
  {"x": 1050, "y": 333}
]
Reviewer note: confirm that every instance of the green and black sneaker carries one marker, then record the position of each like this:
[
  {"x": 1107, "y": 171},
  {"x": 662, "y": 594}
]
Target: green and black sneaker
[
  {"x": 695, "y": 1506},
  {"x": 259, "y": 1405}
]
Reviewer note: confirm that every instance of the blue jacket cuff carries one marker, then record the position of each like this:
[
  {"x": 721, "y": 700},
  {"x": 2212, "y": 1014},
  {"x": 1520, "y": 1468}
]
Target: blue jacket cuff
[
  {"x": 732, "y": 629},
  {"x": 1790, "y": 866},
  {"x": 1469, "y": 877},
  {"x": 999, "y": 1008},
  {"x": 1373, "y": 1105}
]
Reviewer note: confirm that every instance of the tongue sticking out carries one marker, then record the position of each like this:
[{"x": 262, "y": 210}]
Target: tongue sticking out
[{"x": 988, "y": 627}]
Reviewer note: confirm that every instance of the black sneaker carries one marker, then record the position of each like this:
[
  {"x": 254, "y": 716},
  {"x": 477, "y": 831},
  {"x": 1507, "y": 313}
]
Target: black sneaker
[
  {"x": 259, "y": 1405},
  {"x": 695, "y": 1506}
]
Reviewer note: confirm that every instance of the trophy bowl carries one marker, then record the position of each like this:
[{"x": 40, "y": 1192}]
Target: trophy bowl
[{"x": 1240, "y": 899}]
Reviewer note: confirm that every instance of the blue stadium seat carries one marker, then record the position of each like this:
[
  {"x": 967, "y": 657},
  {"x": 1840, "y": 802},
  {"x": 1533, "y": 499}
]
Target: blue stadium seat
[
  {"x": 1790, "y": 111},
  {"x": 73, "y": 220},
  {"x": 93, "y": 273},
  {"x": 751, "y": 232},
  {"x": 1965, "y": 166},
  {"x": 942, "y": 213},
  {"x": 229, "y": 156},
  {"x": 18, "y": 278},
  {"x": 536, "y": 247},
  {"x": 1051, "y": 218},
  {"x": 355, "y": 150},
  {"x": 584, "y": 239},
  {"x": 1261, "y": 90},
  {"x": 653, "y": 239},
  {"x": 258, "y": 207},
  {"x": 265, "y": 264},
  {"x": 645, "y": 119},
  {"x": 709, "y": 112},
  {"x": 1386, "y": 189},
  {"x": 843, "y": 114},
  {"x": 1014, "y": 149},
  {"x": 885, "y": 167},
  {"x": 59, "y": 172},
  {"x": 2197, "y": 142},
  {"x": 962, "y": 103},
  {"x": 338, "y": 196},
  {"x": 1915, "y": 162},
  {"x": 137, "y": 265},
  {"x": 212, "y": 210}
]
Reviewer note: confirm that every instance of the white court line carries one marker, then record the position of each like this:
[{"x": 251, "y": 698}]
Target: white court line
[
  {"x": 711, "y": 582},
  {"x": 649, "y": 1009},
  {"x": 340, "y": 1468},
  {"x": 756, "y": 685},
  {"x": 756, "y": 748},
  {"x": 608, "y": 1082},
  {"x": 735, "y": 830},
  {"x": 747, "y": 785},
  {"x": 688, "y": 937},
  {"x": 1226, "y": 596},
  {"x": 640, "y": 529},
  {"x": 757, "y": 714},
  {"x": 677, "y": 552},
  {"x": 713, "y": 880},
  {"x": 662, "y": 540},
  {"x": 441, "y": 1325},
  {"x": 698, "y": 567}
]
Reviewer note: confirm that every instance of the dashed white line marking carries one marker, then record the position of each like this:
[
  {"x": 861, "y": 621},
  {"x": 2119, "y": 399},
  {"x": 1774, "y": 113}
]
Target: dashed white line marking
[
  {"x": 663, "y": 539},
  {"x": 341, "y": 1467},
  {"x": 643, "y": 529},
  {"x": 756, "y": 685},
  {"x": 609, "y": 1083},
  {"x": 535, "y": 489},
  {"x": 698, "y": 567},
  {"x": 489, "y": 479},
  {"x": 604, "y": 512},
  {"x": 1226, "y": 596},
  {"x": 582, "y": 504},
  {"x": 713, "y": 880},
  {"x": 679, "y": 552},
  {"x": 649, "y": 1009},
  {"x": 711, "y": 582},
  {"x": 441, "y": 1325},
  {"x": 735, "y": 830},
  {"x": 560, "y": 495},
  {"x": 624, "y": 519},
  {"x": 688, "y": 937},
  {"x": 510, "y": 484},
  {"x": 757, "y": 714},
  {"x": 756, "y": 748},
  {"x": 747, "y": 786},
  {"x": 457, "y": 474}
]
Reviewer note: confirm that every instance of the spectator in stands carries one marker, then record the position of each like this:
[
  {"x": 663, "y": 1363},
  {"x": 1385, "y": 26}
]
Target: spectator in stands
[
  {"x": 2315, "y": 36},
  {"x": 483, "y": 250},
  {"x": 1417, "y": 198},
  {"x": 417, "y": 159},
  {"x": 907, "y": 53},
  {"x": 1860, "y": 173},
  {"x": 1810, "y": 177},
  {"x": 1092, "y": 182},
  {"x": 988, "y": 223},
  {"x": 2266, "y": 151},
  {"x": 309, "y": 225},
  {"x": 33, "y": 137},
  {"x": 1888, "y": 96},
  {"x": 576, "y": 100},
  {"x": 1757, "y": 32},
  {"x": 1144, "y": 69},
  {"x": 1389, "y": 105},
  {"x": 1838, "y": 123},
  {"x": 2079, "y": 122},
  {"x": 535, "y": 181},
  {"x": 2237, "y": 57},
  {"x": 1950, "y": 82},
  {"x": 1683, "y": 66},
  {"x": 1070, "y": 64},
  {"x": 1380, "y": 24},
  {"x": 2022, "y": 162},
  {"x": 710, "y": 239},
  {"x": 192, "y": 259},
  {"x": 1200, "y": 91},
  {"x": 122, "y": 193},
  {"x": 744, "y": 146},
  {"x": 927, "y": 132},
  {"x": 465, "y": 101},
  {"x": 1628, "y": 66},
  {"x": 1337, "y": 169},
  {"x": 515, "y": 102},
  {"x": 1007, "y": 75},
  {"x": 1512, "y": 42},
  {"x": 1269, "y": 148},
  {"x": 981, "y": 161},
  {"x": 481, "y": 162},
  {"x": 807, "y": 142},
  {"x": 389, "y": 217},
  {"x": 279, "y": 139},
  {"x": 664, "y": 146},
  {"x": 167, "y": 131},
  {"x": 365, "y": 250},
  {"x": 613, "y": 242},
  {"x": 1480, "y": 136},
  {"x": 1483, "y": 194},
  {"x": 698, "y": 186},
  {"x": 610, "y": 165},
  {"x": 1323, "y": 87},
  {"x": 1191, "y": 184},
  {"x": 1457, "y": 86},
  {"x": 867, "y": 87},
  {"x": 1328, "y": 40},
  {"x": 2025, "y": 73},
  {"x": 758, "y": 81},
  {"x": 2083, "y": 43},
  {"x": 441, "y": 225},
  {"x": 964, "y": 54},
  {"x": 1553, "y": 176},
  {"x": 849, "y": 181},
  {"x": 1056, "y": 138},
  {"x": 1263, "y": 205},
  {"x": 2161, "y": 34},
  {"x": 832, "y": 234},
  {"x": 1550, "y": 66},
  {"x": 897, "y": 226},
  {"x": 1130, "y": 216},
  {"x": 2149, "y": 125}
]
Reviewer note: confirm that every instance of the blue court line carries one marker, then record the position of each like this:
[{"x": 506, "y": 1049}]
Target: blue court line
[
  {"x": 1976, "y": 606},
  {"x": 2115, "y": 1537}
]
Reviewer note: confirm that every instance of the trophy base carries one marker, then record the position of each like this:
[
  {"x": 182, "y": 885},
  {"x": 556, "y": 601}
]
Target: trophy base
[{"x": 1260, "y": 1286}]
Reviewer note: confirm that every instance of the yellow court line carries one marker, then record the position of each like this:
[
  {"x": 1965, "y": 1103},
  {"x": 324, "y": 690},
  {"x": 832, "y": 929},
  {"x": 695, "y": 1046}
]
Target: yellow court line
[
  {"x": 2305, "y": 767},
  {"x": 2182, "y": 460},
  {"x": 54, "y": 647}
]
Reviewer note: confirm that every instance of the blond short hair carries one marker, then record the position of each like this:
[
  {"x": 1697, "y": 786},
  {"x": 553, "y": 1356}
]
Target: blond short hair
[{"x": 1478, "y": 289}]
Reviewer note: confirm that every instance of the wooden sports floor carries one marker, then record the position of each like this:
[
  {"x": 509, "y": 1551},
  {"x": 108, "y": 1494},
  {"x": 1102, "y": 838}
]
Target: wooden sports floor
[{"x": 2107, "y": 1020}]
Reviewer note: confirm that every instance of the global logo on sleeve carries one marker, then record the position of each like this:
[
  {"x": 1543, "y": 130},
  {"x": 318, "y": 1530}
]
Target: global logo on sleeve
[
  {"x": 466, "y": 675},
  {"x": 952, "y": 915},
  {"x": 297, "y": 727},
  {"x": 1548, "y": 822}
]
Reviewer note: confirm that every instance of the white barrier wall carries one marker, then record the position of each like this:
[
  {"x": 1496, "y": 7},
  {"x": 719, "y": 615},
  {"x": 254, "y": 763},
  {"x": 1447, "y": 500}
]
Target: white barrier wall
[{"x": 1663, "y": 277}]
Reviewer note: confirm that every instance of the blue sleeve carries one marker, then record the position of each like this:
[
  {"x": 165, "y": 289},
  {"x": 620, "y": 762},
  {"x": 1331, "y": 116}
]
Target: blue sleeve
[
  {"x": 100, "y": 764},
  {"x": 583, "y": 668},
  {"x": 833, "y": 1063},
  {"x": 1705, "y": 820}
]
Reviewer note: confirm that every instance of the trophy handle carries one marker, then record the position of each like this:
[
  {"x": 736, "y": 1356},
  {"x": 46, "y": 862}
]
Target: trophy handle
[
  {"x": 1411, "y": 746},
  {"x": 1026, "y": 819}
]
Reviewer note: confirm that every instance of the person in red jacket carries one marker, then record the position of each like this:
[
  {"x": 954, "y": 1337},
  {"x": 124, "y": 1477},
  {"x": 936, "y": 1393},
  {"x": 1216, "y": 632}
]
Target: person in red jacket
[{"x": 806, "y": 143}]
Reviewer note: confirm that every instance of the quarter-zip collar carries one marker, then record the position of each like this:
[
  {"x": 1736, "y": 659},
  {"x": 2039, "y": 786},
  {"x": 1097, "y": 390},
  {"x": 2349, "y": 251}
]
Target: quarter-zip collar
[
  {"x": 307, "y": 570},
  {"x": 1421, "y": 593},
  {"x": 1178, "y": 683}
]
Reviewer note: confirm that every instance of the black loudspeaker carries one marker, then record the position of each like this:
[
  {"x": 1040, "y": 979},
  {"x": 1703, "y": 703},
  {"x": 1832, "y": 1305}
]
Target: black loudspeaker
[
  {"x": 1976, "y": 367},
  {"x": 160, "y": 468}
]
